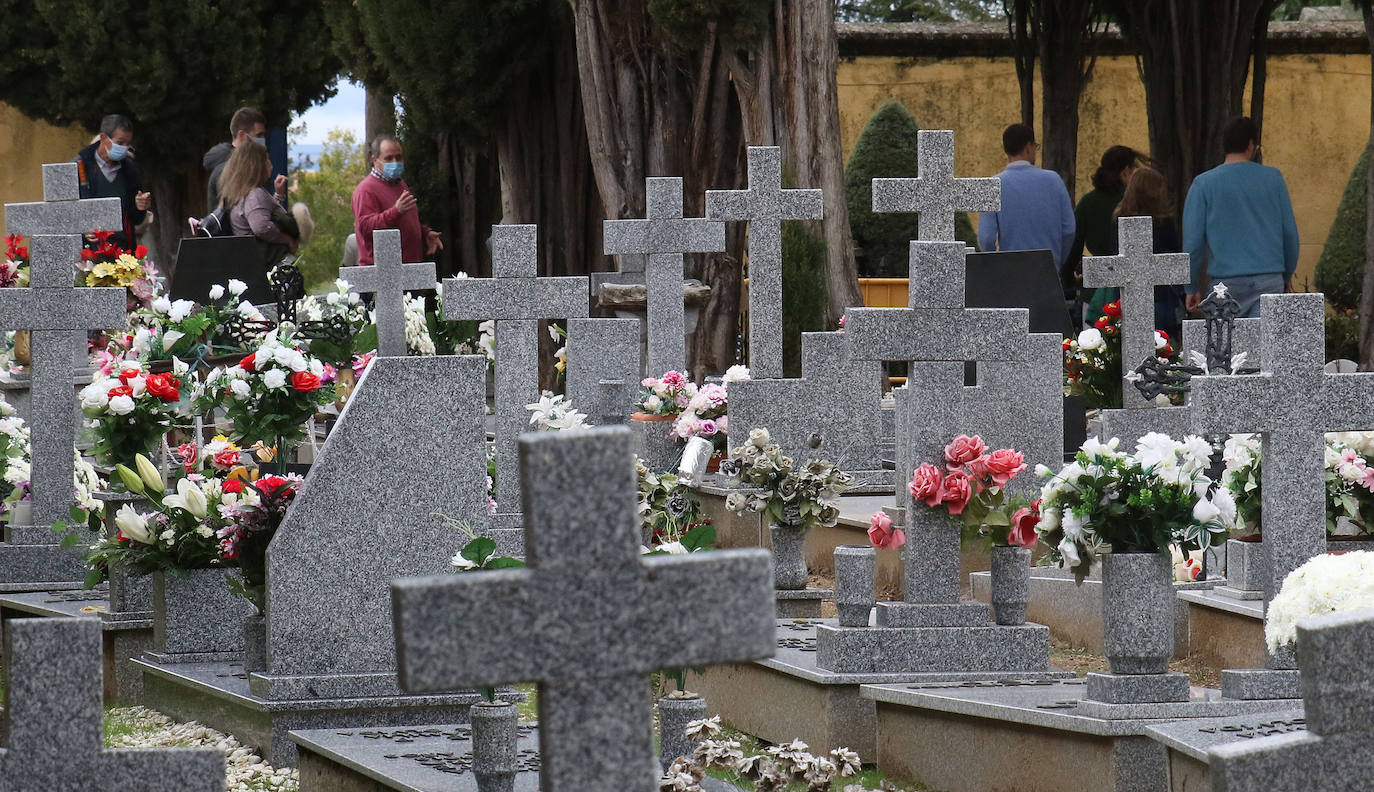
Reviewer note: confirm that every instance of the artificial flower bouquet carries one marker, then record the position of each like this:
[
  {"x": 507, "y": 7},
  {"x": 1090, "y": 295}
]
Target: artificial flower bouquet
[
  {"x": 1142, "y": 502},
  {"x": 1328, "y": 583},
  {"x": 706, "y": 413},
  {"x": 1349, "y": 484},
  {"x": 971, "y": 487},
  {"x": 253, "y": 522},
  {"x": 668, "y": 510},
  {"x": 15, "y": 481},
  {"x": 786, "y": 766},
  {"x": 130, "y": 411},
  {"x": 554, "y": 413},
  {"x": 1093, "y": 365},
  {"x": 14, "y": 268},
  {"x": 668, "y": 395},
  {"x": 219, "y": 457},
  {"x": 344, "y": 309},
  {"x": 794, "y": 497},
  {"x": 107, "y": 264}
]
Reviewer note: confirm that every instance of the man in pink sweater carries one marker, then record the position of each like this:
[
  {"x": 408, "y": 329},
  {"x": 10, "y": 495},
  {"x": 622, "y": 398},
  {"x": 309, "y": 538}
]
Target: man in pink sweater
[{"x": 382, "y": 200}]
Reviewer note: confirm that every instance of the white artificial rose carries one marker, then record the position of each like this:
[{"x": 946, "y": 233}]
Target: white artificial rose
[
  {"x": 94, "y": 397},
  {"x": 162, "y": 306},
  {"x": 332, "y": 298},
  {"x": 1091, "y": 339},
  {"x": 276, "y": 378},
  {"x": 240, "y": 388},
  {"x": 121, "y": 405},
  {"x": 180, "y": 310},
  {"x": 297, "y": 361},
  {"x": 237, "y": 287},
  {"x": 653, "y": 404},
  {"x": 216, "y": 291},
  {"x": 736, "y": 373},
  {"x": 1226, "y": 504}
]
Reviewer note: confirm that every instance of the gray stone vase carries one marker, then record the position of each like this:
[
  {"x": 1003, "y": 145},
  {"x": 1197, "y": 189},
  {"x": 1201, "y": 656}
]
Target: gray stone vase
[
  {"x": 1010, "y": 584},
  {"x": 655, "y": 443},
  {"x": 495, "y": 726},
  {"x": 789, "y": 562},
  {"x": 855, "y": 567},
  {"x": 195, "y": 612},
  {"x": 255, "y": 643},
  {"x": 674, "y": 713},
  {"x": 1137, "y": 612}
]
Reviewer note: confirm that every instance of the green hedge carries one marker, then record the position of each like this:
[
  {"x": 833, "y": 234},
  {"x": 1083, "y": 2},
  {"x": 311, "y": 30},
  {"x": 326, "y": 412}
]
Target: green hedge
[
  {"x": 803, "y": 289},
  {"x": 1340, "y": 270}
]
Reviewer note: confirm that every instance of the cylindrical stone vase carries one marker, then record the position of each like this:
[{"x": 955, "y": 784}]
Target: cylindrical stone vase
[
  {"x": 1137, "y": 612},
  {"x": 255, "y": 643},
  {"x": 855, "y": 567},
  {"x": 195, "y": 612},
  {"x": 495, "y": 727},
  {"x": 789, "y": 563},
  {"x": 655, "y": 442},
  {"x": 675, "y": 711},
  {"x": 1010, "y": 584}
]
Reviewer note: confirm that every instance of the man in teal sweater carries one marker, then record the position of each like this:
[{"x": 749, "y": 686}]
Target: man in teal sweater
[
  {"x": 1238, "y": 222},
  {"x": 1036, "y": 212}
]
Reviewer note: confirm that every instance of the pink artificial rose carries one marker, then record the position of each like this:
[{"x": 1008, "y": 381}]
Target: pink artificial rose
[
  {"x": 707, "y": 428},
  {"x": 956, "y": 491},
  {"x": 1023, "y": 523},
  {"x": 925, "y": 484},
  {"x": 1003, "y": 464},
  {"x": 882, "y": 534},
  {"x": 187, "y": 453},
  {"x": 964, "y": 449}
]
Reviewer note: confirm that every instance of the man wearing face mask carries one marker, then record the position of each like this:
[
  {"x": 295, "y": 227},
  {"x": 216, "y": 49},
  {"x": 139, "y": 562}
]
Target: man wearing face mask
[
  {"x": 106, "y": 169},
  {"x": 247, "y": 123},
  {"x": 382, "y": 200}
]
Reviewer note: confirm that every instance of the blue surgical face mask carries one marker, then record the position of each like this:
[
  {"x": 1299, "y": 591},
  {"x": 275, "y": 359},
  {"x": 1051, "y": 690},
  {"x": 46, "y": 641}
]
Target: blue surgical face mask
[
  {"x": 117, "y": 151},
  {"x": 262, "y": 141},
  {"x": 393, "y": 170}
]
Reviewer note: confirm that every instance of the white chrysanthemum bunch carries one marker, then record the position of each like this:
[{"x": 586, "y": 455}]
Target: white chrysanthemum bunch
[
  {"x": 1325, "y": 584},
  {"x": 418, "y": 340}
]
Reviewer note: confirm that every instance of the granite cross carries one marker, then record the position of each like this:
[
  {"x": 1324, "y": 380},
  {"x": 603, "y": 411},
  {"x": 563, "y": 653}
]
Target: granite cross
[
  {"x": 605, "y": 366},
  {"x": 516, "y": 298},
  {"x": 53, "y": 705},
  {"x": 587, "y": 619},
  {"x": 664, "y": 234},
  {"x": 58, "y": 314},
  {"x": 935, "y": 194},
  {"x": 1333, "y": 754},
  {"x": 388, "y": 279},
  {"x": 1137, "y": 269},
  {"x": 1292, "y": 404},
  {"x": 765, "y": 205}
]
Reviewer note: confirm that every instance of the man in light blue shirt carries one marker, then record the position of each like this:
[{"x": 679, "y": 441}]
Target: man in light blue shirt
[
  {"x": 1238, "y": 222},
  {"x": 1036, "y": 212}
]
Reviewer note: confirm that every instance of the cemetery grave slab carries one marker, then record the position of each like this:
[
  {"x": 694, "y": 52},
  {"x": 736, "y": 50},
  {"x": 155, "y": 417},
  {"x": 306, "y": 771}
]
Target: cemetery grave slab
[{"x": 1189, "y": 741}]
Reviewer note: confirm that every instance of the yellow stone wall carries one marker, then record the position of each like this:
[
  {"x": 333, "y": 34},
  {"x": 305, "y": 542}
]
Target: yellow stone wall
[
  {"x": 1316, "y": 118},
  {"x": 25, "y": 145}
]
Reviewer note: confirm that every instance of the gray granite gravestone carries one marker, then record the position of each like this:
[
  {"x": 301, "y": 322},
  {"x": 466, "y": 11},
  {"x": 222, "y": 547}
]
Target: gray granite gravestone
[
  {"x": 935, "y": 193},
  {"x": 765, "y": 205},
  {"x": 1334, "y": 753},
  {"x": 664, "y": 234},
  {"x": 832, "y": 412},
  {"x": 585, "y": 619},
  {"x": 57, "y": 313},
  {"x": 1137, "y": 269},
  {"x": 605, "y": 365},
  {"x": 388, "y": 280},
  {"x": 1292, "y": 404},
  {"x": 55, "y": 721},
  {"x": 372, "y": 508},
  {"x": 516, "y": 298}
]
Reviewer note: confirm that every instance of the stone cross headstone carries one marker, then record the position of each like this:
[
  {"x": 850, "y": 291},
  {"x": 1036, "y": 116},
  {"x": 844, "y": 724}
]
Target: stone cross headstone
[
  {"x": 586, "y": 619},
  {"x": 55, "y": 717},
  {"x": 516, "y": 298},
  {"x": 1137, "y": 269},
  {"x": 664, "y": 234},
  {"x": 57, "y": 313},
  {"x": 935, "y": 193},
  {"x": 1292, "y": 403},
  {"x": 765, "y": 205},
  {"x": 388, "y": 280},
  {"x": 1333, "y": 754},
  {"x": 408, "y": 450},
  {"x": 605, "y": 365}
]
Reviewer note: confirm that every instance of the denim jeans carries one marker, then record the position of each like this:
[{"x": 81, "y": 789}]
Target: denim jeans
[{"x": 1246, "y": 290}]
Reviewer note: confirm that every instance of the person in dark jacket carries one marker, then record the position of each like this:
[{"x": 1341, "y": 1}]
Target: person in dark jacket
[
  {"x": 1096, "y": 227},
  {"x": 1147, "y": 195},
  {"x": 247, "y": 124},
  {"x": 106, "y": 169}
]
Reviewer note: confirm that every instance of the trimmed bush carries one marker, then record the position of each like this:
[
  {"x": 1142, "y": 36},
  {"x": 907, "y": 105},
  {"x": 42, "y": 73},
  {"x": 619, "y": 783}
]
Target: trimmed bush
[
  {"x": 803, "y": 289},
  {"x": 1340, "y": 270},
  {"x": 886, "y": 149}
]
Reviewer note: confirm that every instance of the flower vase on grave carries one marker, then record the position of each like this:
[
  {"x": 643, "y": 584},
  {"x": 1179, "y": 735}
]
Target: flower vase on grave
[
  {"x": 22, "y": 355},
  {"x": 654, "y": 440},
  {"x": 789, "y": 563},
  {"x": 675, "y": 711},
  {"x": 1010, "y": 584},
  {"x": 495, "y": 727},
  {"x": 855, "y": 567},
  {"x": 1137, "y": 611},
  {"x": 194, "y": 612},
  {"x": 20, "y": 513}
]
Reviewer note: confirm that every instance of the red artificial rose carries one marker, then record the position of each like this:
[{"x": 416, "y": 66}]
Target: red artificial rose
[
  {"x": 225, "y": 460},
  {"x": 187, "y": 453},
  {"x": 964, "y": 449},
  {"x": 925, "y": 484},
  {"x": 164, "y": 387},
  {"x": 141, "y": 251},
  {"x": 247, "y": 363},
  {"x": 956, "y": 491},
  {"x": 129, "y": 373},
  {"x": 1003, "y": 464},
  {"x": 1068, "y": 342},
  {"x": 305, "y": 382},
  {"x": 1166, "y": 351},
  {"x": 121, "y": 390},
  {"x": 1023, "y": 523},
  {"x": 87, "y": 255},
  {"x": 1102, "y": 322},
  {"x": 1112, "y": 309},
  {"x": 232, "y": 486},
  {"x": 268, "y": 485}
]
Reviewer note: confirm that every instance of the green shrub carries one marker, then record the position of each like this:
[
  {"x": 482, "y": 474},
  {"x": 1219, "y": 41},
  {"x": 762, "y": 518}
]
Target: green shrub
[
  {"x": 1342, "y": 334},
  {"x": 329, "y": 194},
  {"x": 1340, "y": 270},
  {"x": 803, "y": 289},
  {"x": 886, "y": 149}
]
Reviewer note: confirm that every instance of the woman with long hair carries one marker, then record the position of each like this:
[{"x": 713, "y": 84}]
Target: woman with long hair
[
  {"x": 252, "y": 210},
  {"x": 1147, "y": 195},
  {"x": 1096, "y": 229}
]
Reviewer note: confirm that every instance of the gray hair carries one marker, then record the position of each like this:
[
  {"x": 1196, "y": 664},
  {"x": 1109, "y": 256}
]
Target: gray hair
[
  {"x": 374, "y": 149},
  {"x": 114, "y": 122}
]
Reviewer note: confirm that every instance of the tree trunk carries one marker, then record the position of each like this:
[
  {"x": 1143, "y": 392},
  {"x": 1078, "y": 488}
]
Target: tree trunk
[
  {"x": 1067, "y": 42},
  {"x": 1022, "y": 31},
  {"x": 174, "y": 199},
  {"x": 379, "y": 113},
  {"x": 1367, "y": 291}
]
